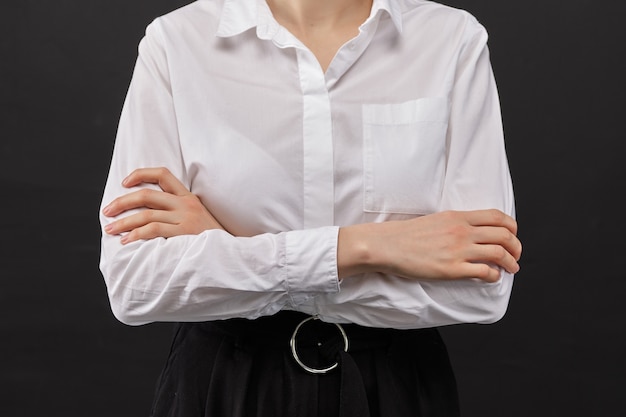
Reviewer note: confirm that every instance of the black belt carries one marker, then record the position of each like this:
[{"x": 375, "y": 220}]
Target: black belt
[{"x": 302, "y": 333}]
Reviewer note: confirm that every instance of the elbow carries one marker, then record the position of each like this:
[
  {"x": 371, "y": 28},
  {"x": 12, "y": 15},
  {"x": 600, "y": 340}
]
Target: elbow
[
  {"x": 489, "y": 311},
  {"x": 122, "y": 316},
  {"x": 126, "y": 309},
  {"x": 495, "y": 301},
  {"x": 479, "y": 302},
  {"x": 468, "y": 301},
  {"x": 129, "y": 306},
  {"x": 127, "y": 316},
  {"x": 493, "y": 314}
]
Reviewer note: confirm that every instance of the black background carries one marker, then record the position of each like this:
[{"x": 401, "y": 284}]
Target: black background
[{"x": 64, "y": 70}]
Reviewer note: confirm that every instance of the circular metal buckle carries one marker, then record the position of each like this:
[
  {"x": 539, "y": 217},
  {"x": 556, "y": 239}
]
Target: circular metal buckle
[{"x": 294, "y": 351}]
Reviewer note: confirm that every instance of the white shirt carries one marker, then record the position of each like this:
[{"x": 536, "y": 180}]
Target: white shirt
[{"x": 405, "y": 122}]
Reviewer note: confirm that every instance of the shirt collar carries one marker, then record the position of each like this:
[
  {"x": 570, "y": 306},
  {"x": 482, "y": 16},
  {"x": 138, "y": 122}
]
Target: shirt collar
[
  {"x": 392, "y": 8},
  {"x": 237, "y": 16},
  {"x": 240, "y": 15}
]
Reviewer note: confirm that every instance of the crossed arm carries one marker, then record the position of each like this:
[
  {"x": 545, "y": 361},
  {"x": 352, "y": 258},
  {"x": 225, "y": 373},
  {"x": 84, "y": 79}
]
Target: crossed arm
[{"x": 450, "y": 245}]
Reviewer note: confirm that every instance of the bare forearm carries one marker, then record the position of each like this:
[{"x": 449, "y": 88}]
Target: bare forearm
[{"x": 448, "y": 245}]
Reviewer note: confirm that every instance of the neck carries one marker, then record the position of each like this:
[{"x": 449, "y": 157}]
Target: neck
[
  {"x": 322, "y": 25},
  {"x": 306, "y": 16}
]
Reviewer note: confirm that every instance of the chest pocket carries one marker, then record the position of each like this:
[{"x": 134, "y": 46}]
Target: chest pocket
[{"x": 404, "y": 155}]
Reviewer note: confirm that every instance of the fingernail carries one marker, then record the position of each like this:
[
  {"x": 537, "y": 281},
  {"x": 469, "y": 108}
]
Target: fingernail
[
  {"x": 106, "y": 210},
  {"x": 124, "y": 239},
  {"x": 108, "y": 228}
]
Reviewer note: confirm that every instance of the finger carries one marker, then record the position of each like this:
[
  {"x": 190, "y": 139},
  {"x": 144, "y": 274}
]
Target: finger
[
  {"x": 498, "y": 236},
  {"x": 138, "y": 220},
  {"x": 151, "y": 231},
  {"x": 145, "y": 198},
  {"x": 161, "y": 176},
  {"x": 482, "y": 271},
  {"x": 494, "y": 254},
  {"x": 491, "y": 217}
]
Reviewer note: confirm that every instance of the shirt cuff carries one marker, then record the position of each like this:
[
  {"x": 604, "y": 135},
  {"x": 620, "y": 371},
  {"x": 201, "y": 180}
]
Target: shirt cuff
[{"x": 311, "y": 263}]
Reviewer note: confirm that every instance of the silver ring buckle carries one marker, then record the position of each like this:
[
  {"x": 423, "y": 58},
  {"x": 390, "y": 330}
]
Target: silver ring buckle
[{"x": 294, "y": 351}]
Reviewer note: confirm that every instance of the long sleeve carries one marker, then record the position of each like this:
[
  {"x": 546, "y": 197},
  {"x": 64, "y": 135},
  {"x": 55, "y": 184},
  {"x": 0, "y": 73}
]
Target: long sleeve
[
  {"x": 212, "y": 275},
  {"x": 405, "y": 122},
  {"x": 476, "y": 177}
]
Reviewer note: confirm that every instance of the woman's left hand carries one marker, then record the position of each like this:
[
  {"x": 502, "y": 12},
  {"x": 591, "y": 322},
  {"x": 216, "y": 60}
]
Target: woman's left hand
[{"x": 171, "y": 212}]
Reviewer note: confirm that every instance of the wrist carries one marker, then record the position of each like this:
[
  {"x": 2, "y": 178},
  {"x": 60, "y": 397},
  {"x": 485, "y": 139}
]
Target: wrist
[{"x": 355, "y": 253}]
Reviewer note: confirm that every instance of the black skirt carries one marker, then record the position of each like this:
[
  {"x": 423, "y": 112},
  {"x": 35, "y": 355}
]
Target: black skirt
[{"x": 246, "y": 368}]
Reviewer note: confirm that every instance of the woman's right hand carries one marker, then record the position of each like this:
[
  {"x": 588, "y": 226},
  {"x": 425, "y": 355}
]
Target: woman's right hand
[
  {"x": 170, "y": 212},
  {"x": 442, "y": 246}
]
